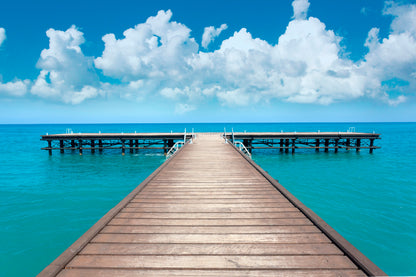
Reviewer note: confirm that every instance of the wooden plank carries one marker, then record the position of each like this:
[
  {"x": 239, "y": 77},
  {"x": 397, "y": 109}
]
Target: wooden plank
[
  {"x": 192, "y": 206},
  {"x": 209, "y": 200},
  {"x": 210, "y": 249},
  {"x": 208, "y": 195},
  {"x": 210, "y": 215},
  {"x": 210, "y": 222},
  {"x": 211, "y": 273},
  {"x": 209, "y": 238},
  {"x": 163, "y": 229},
  {"x": 212, "y": 262},
  {"x": 210, "y": 209},
  {"x": 220, "y": 191}
]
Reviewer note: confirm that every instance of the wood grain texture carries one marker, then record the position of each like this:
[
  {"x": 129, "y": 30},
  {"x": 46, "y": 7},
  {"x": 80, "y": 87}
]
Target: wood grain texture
[
  {"x": 209, "y": 212},
  {"x": 76, "y": 272}
]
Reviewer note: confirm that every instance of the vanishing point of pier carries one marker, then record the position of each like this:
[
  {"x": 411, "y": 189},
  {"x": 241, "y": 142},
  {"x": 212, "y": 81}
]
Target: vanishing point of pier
[{"x": 209, "y": 210}]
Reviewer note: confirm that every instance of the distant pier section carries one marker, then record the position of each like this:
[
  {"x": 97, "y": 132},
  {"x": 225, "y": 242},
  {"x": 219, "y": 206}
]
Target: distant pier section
[
  {"x": 318, "y": 141},
  {"x": 123, "y": 141},
  {"x": 285, "y": 142}
]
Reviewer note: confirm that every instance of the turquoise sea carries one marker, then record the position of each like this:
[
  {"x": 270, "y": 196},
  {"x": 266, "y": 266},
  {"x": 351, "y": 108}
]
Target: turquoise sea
[{"x": 47, "y": 202}]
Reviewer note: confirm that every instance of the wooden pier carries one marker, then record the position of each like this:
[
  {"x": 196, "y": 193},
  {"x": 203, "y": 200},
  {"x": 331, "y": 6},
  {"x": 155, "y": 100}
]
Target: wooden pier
[
  {"x": 211, "y": 211},
  {"x": 104, "y": 141},
  {"x": 285, "y": 142},
  {"x": 290, "y": 141}
]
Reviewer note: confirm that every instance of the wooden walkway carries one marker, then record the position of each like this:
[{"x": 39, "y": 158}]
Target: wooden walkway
[{"x": 210, "y": 211}]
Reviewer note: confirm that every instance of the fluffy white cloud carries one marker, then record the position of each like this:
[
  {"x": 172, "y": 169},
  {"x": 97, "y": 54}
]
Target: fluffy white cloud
[
  {"x": 160, "y": 57},
  {"x": 66, "y": 74},
  {"x": 156, "y": 49},
  {"x": 300, "y": 9},
  {"x": 2, "y": 35},
  {"x": 390, "y": 64},
  {"x": 210, "y": 33},
  {"x": 15, "y": 88}
]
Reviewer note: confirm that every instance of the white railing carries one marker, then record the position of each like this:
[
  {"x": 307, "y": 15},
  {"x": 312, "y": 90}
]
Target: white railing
[
  {"x": 242, "y": 148},
  {"x": 174, "y": 148},
  {"x": 237, "y": 144}
]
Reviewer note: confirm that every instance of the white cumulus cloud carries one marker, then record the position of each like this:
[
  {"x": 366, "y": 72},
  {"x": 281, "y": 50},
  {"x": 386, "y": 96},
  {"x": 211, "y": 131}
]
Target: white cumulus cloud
[
  {"x": 2, "y": 35},
  {"x": 210, "y": 33},
  {"x": 160, "y": 57},
  {"x": 156, "y": 49},
  {"x": 14, "y": 88},
  {"x": 390, "y": 64},
  {"x": 300, "y": 8},
  {"x": 66, "y": 74}
]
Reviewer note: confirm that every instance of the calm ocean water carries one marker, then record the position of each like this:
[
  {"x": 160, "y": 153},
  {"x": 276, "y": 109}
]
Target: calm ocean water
[{"x": 47, "y": 202}]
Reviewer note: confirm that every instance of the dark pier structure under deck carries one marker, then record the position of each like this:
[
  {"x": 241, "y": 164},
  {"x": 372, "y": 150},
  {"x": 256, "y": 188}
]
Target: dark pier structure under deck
[
  {"x": 290, "y": 141},
  {"x": 124, "y": 141}
]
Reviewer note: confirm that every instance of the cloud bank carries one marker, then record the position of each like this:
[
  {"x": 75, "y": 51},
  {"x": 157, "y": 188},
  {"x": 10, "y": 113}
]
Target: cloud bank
[{"x": 160, "y": 57}]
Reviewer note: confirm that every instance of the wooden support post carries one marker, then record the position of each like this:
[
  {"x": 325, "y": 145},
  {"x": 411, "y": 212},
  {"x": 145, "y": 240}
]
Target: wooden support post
[
  {"x": 348, "y": 143},
  {"x": 293, "y": 146},
  {"x": 123, "y": 147},
  {"x": 336, "y": 145},
  {"x": 287, "y": 146},
  {"x": 371, "y": 146},
  {"x": 100, "y": 145},
  {"x": 281, "y": 145},
  {"x": 92, "y": 146},
  {"x": 170, "y": 143},
  {"x": 358, "y": 144},
  {"x": 250, "y": 145},
  {"x": 136, "y": 143},
  {"x": 131, "y": 146},
  {"x": 80, "y": 147},
  {"x": 317, "y": 142},
  {"x": 61, "y": 146},
  {"x": 326, "y": 145},
  {"x": 73, "y": 144},
  {"x": 50, "y": 147}
]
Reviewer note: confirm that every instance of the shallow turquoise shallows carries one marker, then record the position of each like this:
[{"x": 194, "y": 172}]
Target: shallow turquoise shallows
[{"x": 47, "y": 202}]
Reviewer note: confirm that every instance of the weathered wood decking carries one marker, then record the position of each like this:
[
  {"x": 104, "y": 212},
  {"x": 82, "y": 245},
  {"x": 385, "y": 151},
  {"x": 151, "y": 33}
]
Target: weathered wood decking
[{"x": 209, "y": 211}]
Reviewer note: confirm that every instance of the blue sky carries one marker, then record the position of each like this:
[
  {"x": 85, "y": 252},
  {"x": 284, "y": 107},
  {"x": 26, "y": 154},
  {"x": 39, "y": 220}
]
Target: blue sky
[{"x": 216, "y": 61}]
